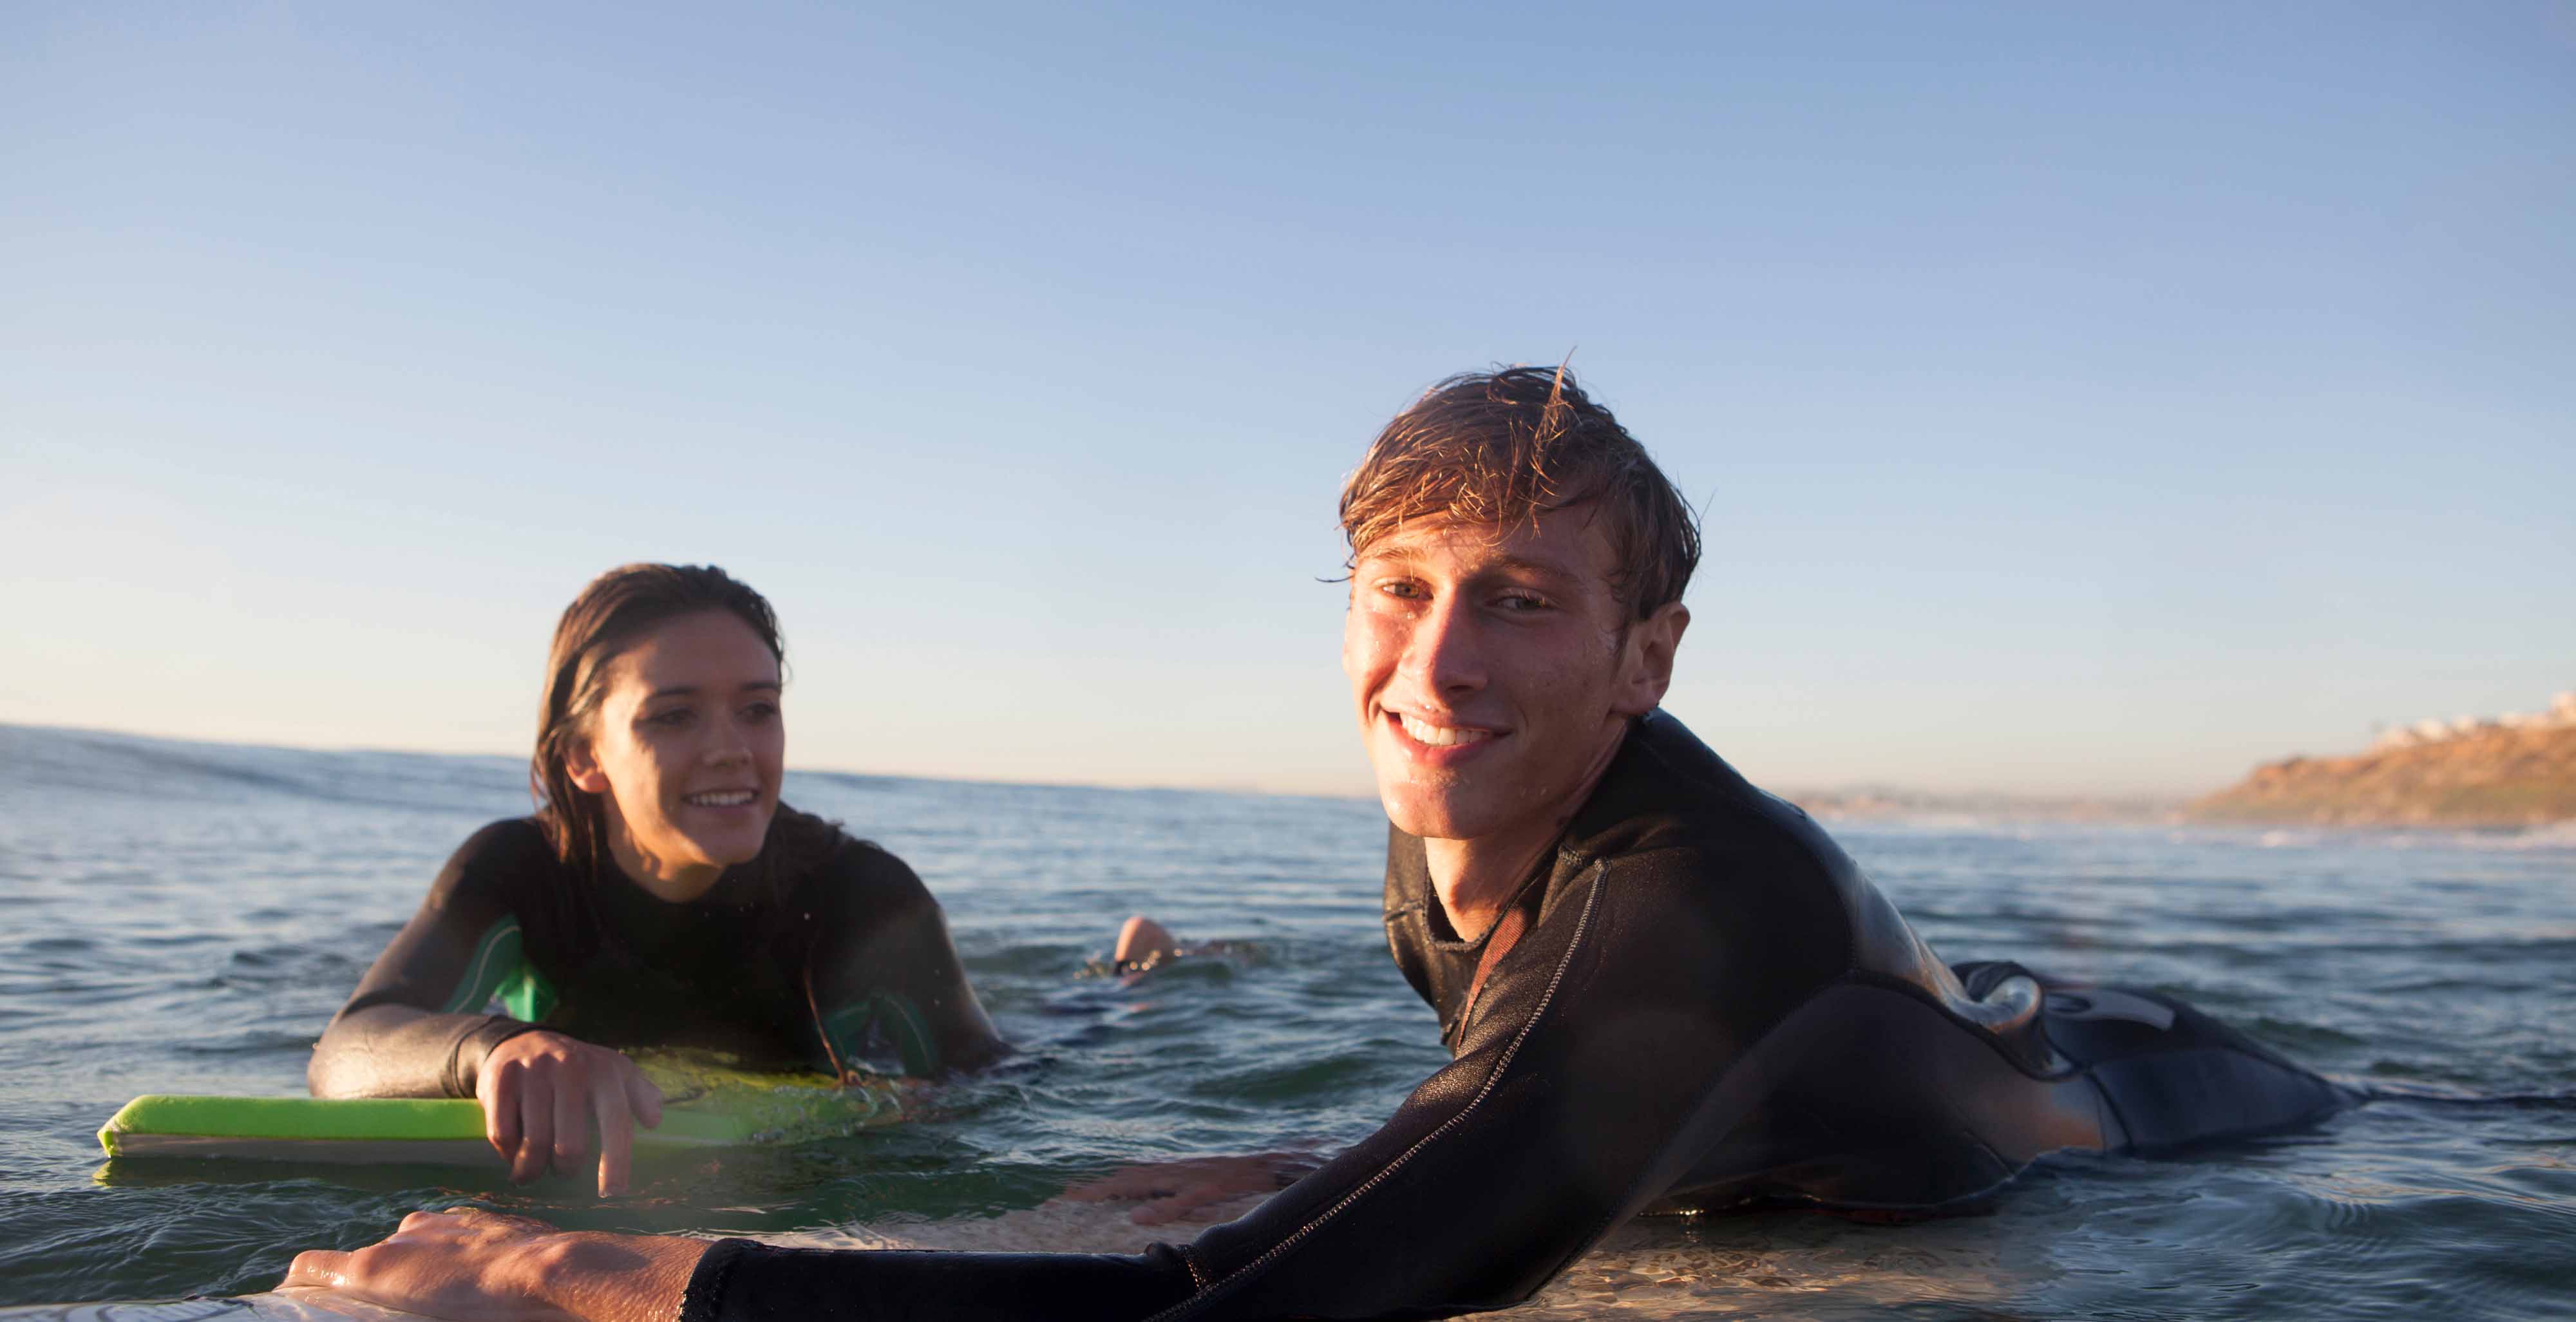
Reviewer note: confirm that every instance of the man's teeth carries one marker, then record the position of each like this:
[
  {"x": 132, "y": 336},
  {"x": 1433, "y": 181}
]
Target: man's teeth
[
  {"x": 1441, "y": 736},
  {"x": 722, "y": 798}
]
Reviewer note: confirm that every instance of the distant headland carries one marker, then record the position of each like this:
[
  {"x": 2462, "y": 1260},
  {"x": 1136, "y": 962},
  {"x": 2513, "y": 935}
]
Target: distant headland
[{"x": 2517, "y": 770}]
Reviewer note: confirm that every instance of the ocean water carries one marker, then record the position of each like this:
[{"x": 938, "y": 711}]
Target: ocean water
[{"x": 184, "y": 918}]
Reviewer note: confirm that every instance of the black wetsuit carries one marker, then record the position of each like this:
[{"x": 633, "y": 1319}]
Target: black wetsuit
[
  {"x": 1706, "y": 1004},
  {"x": 823, "y": 952}
]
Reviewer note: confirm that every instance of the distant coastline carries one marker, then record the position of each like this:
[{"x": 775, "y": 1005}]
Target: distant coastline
[
  {"x": 1881, "y": 803},
  {"x": 2517, "y": 770}
]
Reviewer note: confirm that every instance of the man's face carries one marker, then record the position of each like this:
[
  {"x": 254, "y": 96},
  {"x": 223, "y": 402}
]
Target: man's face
[{"x": 1493, "y": 677}]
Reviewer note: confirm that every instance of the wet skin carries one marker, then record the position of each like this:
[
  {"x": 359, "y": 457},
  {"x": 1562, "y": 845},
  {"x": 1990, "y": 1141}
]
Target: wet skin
[{"x": 1495, "y": 671}]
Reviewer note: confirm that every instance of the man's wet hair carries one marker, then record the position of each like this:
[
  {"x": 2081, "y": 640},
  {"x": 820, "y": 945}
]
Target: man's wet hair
[{"x": 1506, "y": 446}]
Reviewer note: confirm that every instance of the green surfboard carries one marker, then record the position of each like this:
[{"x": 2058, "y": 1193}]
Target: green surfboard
[{"x": 707, "y": 1102}]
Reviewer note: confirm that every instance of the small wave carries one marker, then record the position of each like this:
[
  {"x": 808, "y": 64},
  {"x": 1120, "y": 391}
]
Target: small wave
[
  {"x": 2530, "y": 1101},
  {"x": 2555, "y": 835}
]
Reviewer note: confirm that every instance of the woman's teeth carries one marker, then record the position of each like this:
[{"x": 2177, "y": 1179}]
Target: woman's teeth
[
  {"x": 1441, "y": 736},
  {"x": 721, "y": 798}
]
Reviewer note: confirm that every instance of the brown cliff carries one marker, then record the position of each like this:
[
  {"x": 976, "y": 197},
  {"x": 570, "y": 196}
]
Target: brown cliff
[{"x": 2488, "y": 777}]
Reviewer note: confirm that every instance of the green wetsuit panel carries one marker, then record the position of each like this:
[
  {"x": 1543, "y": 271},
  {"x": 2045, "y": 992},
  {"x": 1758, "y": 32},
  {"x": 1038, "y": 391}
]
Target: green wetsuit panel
[
  {"x": 896, "y": 1018},
  {"x": 499, "y": 971}
]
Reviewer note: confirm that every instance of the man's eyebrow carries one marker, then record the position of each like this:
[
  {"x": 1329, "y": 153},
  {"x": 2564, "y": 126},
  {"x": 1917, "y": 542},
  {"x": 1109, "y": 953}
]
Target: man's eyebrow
[{"x": 1541, "y": 568}]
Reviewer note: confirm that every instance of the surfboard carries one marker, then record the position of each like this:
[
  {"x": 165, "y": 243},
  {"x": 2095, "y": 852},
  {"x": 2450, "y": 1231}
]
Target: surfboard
[{"x": 708, "y": 1101}]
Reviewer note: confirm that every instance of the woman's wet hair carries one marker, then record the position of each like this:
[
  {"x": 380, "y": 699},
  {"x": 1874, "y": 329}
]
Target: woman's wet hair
[
  {"x": 614, "y": 613},
  {"x": 1504, "y": 447}
]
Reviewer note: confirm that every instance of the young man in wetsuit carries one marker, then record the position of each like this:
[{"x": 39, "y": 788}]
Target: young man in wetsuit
[{"x": 1657, "y": 983}]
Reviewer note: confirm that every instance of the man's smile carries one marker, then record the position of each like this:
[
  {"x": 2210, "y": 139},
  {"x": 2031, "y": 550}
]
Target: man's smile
[{"x": 1436, "y": 739}]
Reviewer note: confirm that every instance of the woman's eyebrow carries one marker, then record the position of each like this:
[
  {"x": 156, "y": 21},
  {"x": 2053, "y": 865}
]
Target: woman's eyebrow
[{"x": 692, "y": 690}]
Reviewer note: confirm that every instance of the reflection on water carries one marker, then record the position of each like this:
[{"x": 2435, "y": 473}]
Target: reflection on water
[{"x": 185, "y": 917}]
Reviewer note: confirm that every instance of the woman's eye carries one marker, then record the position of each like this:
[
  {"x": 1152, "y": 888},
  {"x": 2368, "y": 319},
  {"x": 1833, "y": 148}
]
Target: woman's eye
[
  {"x": 761, "y": 711},
  {"x": 672, "y": 719}
]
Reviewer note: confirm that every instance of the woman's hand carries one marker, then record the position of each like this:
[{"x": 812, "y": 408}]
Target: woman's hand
[
  {"x": 542, "y": 1093},
  {"x": 1182, "y": 1190},
  {"x": 467, "y": 1264}
]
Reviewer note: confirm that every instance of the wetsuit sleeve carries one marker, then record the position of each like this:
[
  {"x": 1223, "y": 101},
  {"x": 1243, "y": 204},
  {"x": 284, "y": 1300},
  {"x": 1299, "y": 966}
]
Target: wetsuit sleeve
[
  {"x": 1587, "y": 1078},
  {"x": 415, "y": 1027},
  {"x": 885, "y": 975}
]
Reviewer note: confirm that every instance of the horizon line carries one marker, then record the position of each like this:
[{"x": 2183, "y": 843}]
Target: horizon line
[{"x": 1931, "y": 799}]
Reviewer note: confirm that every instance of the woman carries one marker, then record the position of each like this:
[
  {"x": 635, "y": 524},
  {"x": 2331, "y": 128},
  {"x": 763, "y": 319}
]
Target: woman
[{"x": 661, "y": 896}]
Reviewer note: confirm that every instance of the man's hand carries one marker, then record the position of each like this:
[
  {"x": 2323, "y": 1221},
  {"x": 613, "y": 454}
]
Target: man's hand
[
  {"x": 486, "y": 1267},
  {"x": 1182, "y": 1190},
  {"x": 543, "y": 1092}
]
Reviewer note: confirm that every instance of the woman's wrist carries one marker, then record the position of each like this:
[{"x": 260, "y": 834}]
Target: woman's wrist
[{"x": 466, "y": 1059}]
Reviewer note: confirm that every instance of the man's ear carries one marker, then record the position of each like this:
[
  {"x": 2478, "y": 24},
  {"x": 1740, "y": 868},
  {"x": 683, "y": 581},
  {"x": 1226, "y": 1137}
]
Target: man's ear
[
  {"x": 581, "y": 761},
  {"x": 1647, "y": 669}
]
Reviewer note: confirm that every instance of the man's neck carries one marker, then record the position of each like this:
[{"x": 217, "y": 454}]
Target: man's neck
[{"x": 1475, "y": 879}]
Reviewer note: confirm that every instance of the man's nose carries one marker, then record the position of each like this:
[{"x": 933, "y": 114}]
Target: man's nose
[{"x": 1445, "y": 652}]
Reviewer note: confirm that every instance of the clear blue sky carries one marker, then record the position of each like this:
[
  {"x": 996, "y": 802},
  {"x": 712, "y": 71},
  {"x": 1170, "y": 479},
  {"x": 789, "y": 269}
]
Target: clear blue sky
[{"x": 2083, "y": 398}]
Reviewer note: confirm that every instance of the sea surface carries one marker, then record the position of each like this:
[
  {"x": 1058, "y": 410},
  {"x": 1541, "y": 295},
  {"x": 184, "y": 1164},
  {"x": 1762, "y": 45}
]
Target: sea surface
[{"x": 184, "y": 917}]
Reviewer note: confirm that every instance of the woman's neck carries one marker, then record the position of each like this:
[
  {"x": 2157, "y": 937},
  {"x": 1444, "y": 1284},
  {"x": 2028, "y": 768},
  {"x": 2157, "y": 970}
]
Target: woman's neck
[{"x": 666, "y": 879}]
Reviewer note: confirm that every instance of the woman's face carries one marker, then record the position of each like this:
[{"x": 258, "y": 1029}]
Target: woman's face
[{"x": 685, "y": 752}]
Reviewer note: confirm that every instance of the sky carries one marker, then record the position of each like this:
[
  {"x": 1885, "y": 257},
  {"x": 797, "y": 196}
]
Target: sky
[{"x": 2079, "y": 399}]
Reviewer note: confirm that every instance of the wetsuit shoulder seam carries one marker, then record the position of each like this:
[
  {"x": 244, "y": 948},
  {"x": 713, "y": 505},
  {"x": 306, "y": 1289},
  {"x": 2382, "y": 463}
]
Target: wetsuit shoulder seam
[{"x": 1547, "y": 999}]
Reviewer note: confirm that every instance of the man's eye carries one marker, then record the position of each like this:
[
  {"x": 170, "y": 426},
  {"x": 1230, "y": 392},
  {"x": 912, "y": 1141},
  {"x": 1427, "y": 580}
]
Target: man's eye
[
  {"x": 1520, "y": 602},
  {"x": 1402, "y": 589}
]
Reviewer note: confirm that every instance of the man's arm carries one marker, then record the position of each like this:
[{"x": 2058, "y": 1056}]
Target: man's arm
[{"x": 1593, "y": 1071}]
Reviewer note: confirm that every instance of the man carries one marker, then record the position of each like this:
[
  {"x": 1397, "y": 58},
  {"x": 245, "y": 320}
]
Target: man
[{"x": 1657, "y": 983}]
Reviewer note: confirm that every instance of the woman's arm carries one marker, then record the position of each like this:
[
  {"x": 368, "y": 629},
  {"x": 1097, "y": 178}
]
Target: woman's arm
[
  {"x": 883, "y": 965},
  {"x": 416, "y": 1028}
]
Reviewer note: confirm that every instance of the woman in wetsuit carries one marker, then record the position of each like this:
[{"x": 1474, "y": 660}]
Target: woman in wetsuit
[{"x": 661, "y": 895}]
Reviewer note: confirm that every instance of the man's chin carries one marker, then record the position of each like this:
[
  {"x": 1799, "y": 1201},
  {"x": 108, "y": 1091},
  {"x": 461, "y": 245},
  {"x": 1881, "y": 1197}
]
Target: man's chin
[{"x": 1432, "y": 813}]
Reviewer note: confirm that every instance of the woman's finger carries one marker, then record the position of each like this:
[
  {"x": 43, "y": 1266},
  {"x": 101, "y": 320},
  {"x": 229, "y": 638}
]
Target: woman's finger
[
  {"x": 572, "y": 1123},
  {"x": 616, "y": 1135},
  {"x": 500, "y": 1091},
  {"x": 643, "y": 1099},
  {"x": 536, "y": 1128}
]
